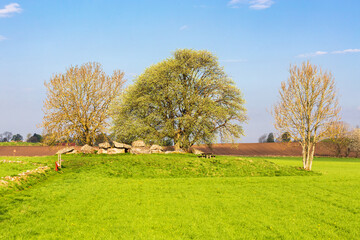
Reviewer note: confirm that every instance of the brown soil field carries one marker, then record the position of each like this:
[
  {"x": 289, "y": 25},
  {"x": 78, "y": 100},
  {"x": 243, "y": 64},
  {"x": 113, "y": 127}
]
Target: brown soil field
[
  {"x": 238, "y": 149},
  {"x": 29, "y": 150},
  {"x": 263, "y": 149}
]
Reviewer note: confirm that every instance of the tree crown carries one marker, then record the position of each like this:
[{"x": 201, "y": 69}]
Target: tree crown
[
  {"x": 187, "y": 98},
  {"x": 77, "y": 102}
]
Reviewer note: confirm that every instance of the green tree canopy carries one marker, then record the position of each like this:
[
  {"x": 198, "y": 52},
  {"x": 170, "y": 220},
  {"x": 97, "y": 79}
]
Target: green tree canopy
[
  {"x": 17, "y": 138},
  {"x": 270, "y": 138},
  {"x": 286, "y": 137},
  {"x": 187, "y": 98},
  {"x": 35, "y": 138}
]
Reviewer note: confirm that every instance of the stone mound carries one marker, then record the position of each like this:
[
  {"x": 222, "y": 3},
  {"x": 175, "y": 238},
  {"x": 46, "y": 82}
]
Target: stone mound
[
  {"x": 156, "y": 149},
  {"x": 115, "y": 150},
  {"x": 138, "y": 143},
  {"x": 65, "y": 150},
  {"x": 140, "y": 150},
  {"x": 196, "y": 151},
  {"x": 121, "y": 145},
  {"x": 104, "y": 145},
  {"x": 87, "y": 149}
]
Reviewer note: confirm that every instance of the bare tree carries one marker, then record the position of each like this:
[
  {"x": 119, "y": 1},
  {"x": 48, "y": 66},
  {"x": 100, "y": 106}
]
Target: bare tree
[
  {"x": 306, "y": 108},
  {"x": 355, "y": 141},
  {"x": 263, "y": 138},
  {"x": 6, "y": 136},
  {"x": 76, "y": 106},
  {"x": 340, "y": 138}
]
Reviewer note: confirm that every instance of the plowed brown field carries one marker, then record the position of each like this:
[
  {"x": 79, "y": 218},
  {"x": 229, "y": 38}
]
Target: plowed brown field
[
  {"x": 245, "y": 149},
  {"x": 263, "y": 149},
  {"x": 29, "y": 150}
]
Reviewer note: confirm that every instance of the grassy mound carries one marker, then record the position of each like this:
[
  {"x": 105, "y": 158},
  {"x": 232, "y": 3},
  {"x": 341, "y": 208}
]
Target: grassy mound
[
  {"x": 128, "y": 197},
  {"x": 13, "y": 168},
  {"x": 179, "y": 166}
]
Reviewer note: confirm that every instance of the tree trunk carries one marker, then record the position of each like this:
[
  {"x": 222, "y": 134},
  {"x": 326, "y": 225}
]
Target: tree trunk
[
  {"x": 337, "y": 150},
  {"x": 304, "y": 156},
  {"x": 308, "y": 155},
  {"x": 88, "y": 140},
  {"x": 177, "y": 142}
]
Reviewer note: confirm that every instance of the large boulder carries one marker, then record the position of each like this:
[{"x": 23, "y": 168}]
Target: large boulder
[
  {"x": 87, "y": 149},
  {"x": 102, "y": 151},
  {"x": 196, "y": 151},
  {"x": 121, "y": 145},
  {"x": 104, "y": 145},
  {"x": 65, "y": 150},
  {"x": 156, "y": 149},
  {"x": 140, "y": 150},
  {"x": 115, "y": 150},
  {"x": 138, "y": 143},
  {"x": 73, "y": 152}
]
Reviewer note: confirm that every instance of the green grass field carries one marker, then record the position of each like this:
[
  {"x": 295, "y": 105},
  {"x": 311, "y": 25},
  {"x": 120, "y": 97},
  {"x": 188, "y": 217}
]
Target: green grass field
[
  {"x": 12, "y": 169},
  {"x": 20, "y": 144},
  {"x": 183, "y": 197}
]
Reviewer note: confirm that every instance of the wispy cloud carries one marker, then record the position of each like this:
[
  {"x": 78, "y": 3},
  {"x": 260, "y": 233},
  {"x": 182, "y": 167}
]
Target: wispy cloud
[
  {"x": 253, "y": 4},
  {"x": 233, "y": 60},
  {"x": 318, "y": 53},
  {"x": 235, "y": 3},
  {"x": 2, "y": 38},
  {"x": 346, "y": 51},
  {"x": 182, "y": 28},
  {"x": 314, "y": 54},
  {"x": 9, "y": 9},
  {"x": 260, "y": 4}
]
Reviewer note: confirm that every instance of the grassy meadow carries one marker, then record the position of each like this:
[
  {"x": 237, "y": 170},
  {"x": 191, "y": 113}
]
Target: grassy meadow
[
  {"x": 183, "y": 197},
  {"x": 20, "y": 144}
]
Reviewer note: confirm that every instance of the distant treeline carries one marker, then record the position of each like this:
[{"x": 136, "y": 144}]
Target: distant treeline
[{"x": 9, "y": 137}]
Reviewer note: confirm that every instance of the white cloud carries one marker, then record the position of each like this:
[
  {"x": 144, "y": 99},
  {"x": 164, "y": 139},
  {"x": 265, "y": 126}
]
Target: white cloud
[
  {"x": 253, "y": 4},
  {"x": 260, "y": 4},
  {"x": 182, "y": 28},
  {"x": 233, "y": 60},
  {"x": 358, "y": 108},
  {"x": 318, "y": 53},
  {"x": 346, "y": 51},
  {"x": 314, "y": 54},
  {"x": 10, "y": 9},
  {"x": 2, "y": 38}
]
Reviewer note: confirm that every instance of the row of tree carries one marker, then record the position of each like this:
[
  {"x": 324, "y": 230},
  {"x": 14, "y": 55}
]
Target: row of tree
[
  {"x": 342, "y": 139},
  {"x": 9, "y": 137},
  {"x": 268, "y": 138},
  {"x": 183, "y": 100}
]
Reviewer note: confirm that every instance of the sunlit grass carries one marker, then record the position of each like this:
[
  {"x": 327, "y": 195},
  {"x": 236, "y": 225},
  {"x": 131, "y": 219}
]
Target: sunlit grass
[
  {"x": 154, "y": 197},
  {"x": 20, "y": 144}
]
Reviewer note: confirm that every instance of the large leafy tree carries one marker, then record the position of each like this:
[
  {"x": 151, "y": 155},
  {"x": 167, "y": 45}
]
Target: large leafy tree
[
  {"x": 187, "y": 99},
  {"x": 77, "y": 103},
  {"x": 307, "y": 108},
  {"x": 17, "y": 138}
]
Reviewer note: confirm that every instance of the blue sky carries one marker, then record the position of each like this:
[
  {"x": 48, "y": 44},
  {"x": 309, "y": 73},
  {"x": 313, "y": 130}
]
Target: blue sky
[{"x": 255, "y": 41}]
